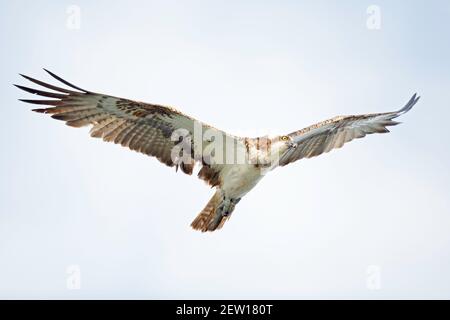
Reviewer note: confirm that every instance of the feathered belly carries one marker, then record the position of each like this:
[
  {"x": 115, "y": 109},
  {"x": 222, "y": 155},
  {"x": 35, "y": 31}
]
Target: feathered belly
[{"x": 238, "y": 180}]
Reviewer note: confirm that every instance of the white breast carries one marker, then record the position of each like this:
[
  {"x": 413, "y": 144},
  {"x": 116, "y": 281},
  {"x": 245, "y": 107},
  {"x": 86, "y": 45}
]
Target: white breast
[{"x": 239, "y": 179}]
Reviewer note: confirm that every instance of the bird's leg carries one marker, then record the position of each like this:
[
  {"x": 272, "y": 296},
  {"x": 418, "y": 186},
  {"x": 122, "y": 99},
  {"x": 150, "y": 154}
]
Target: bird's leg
[{"x": 229, "y": 205}]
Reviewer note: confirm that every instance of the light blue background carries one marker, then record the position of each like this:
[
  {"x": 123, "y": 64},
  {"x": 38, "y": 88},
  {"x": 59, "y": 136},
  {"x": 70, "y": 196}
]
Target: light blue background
[{"x": 309, "y": 230}]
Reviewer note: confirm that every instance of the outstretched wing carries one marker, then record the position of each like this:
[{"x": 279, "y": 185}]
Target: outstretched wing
[
  {"x": 334, "y": 133},
  {"x": 143, "y": 127}
]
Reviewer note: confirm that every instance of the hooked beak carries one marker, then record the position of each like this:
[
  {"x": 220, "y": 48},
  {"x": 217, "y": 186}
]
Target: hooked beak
[{"x": 292, "y": 145}]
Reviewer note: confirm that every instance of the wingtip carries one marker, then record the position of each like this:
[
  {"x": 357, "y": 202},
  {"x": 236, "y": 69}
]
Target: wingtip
[
  {"x": 64, "y": 81},
  {"x": 39, "y": 110},
  {"x": 414, "y": 99},
  {"x": 20, "y": 87},
  {"x": 50, "y": 73},
  {"x": 25, "y": 100},
  {"x": 25, "y": 76}
]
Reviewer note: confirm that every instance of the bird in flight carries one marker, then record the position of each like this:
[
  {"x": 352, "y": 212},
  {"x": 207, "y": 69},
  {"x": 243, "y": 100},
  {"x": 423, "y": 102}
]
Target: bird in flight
[{"x": 232, "y": 165}]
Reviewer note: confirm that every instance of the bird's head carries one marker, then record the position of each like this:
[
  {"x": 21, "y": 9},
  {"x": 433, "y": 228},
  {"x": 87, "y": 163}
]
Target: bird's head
[{"x": 283, "y": 143}]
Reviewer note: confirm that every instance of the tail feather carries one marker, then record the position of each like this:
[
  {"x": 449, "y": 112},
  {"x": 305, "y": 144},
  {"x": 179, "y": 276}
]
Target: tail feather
[{"x": 210, "y": 219}]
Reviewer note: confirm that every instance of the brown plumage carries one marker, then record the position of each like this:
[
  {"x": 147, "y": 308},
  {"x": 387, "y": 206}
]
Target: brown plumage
[
  {"x": 142, "y": 127},
  {"x": 207, "y": 219}
]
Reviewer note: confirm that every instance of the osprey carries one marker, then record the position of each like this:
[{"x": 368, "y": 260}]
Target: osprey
[{"x": 231, "y": 164}]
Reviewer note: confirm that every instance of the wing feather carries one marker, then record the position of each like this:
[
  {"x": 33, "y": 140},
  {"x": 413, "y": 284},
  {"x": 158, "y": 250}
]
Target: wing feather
[
  {"x": 143, "y": 127},
  {"x": 334, "y": 133}
]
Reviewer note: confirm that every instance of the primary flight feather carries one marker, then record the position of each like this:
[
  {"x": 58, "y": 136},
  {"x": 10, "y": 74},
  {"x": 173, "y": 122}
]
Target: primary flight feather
[{"x": 233, "y": 165}]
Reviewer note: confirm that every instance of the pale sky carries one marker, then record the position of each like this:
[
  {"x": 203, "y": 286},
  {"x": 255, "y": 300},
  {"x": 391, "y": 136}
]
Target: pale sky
[{"x": 370, "y": 220}]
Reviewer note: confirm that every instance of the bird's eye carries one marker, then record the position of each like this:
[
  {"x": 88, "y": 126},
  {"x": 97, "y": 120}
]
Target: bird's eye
[{"x": 284, "y": 138}]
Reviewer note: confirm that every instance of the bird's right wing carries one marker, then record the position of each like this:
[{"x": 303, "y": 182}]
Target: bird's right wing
[
  {"x": 143, "y": 127},
  {"x": 334, "y": 133}
]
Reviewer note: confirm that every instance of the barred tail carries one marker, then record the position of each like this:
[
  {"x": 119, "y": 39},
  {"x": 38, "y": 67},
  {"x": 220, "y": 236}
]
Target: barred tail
[{"x": 210, "y": 219}]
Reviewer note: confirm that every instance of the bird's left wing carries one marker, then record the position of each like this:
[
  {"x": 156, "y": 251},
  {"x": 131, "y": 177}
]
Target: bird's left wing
[
  {"x": 334, "y": 133},
  {"x": 143, "y": 127}
]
